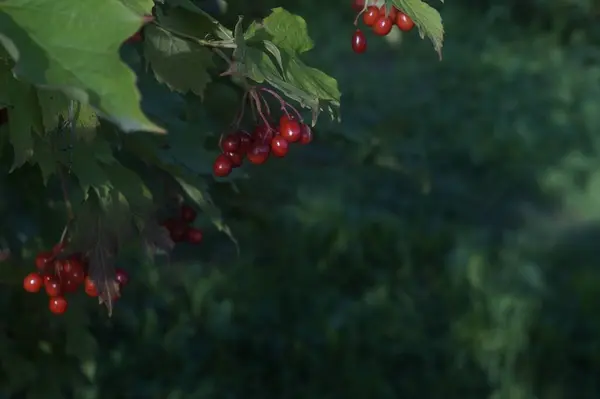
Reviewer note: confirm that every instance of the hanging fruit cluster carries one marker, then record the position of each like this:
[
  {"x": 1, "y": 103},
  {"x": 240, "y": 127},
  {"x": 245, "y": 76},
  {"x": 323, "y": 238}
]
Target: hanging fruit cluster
[
  {"x": 266, "y": 138},
  {"x": 179, "y": 227},
  {"x": 380, "y": 19},
  {"x": 60, "y": 276}
]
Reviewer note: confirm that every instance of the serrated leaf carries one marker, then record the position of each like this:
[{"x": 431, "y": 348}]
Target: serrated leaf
[
  {"x": 427, "y": 19},
  {"x": 180, "y": 64},
  {"x": 51, "y": 43},
  {"x": 131, "y": 186},
  {"x": 289, "y": 31},
  {"x": 85, "y": 163},
  {"x": 44, "y": 158},
  {"x": 53, "y": 103},
  {"x": 190, "y": 20}
]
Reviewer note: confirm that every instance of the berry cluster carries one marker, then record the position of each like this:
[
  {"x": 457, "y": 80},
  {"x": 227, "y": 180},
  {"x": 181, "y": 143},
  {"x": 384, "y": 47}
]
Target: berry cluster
[
  {"x": 180, "y": 229},
  {"x": 64, "y": 275},
  {"x": 379, "y": 19},
  {"x": 258, "y": 145}
]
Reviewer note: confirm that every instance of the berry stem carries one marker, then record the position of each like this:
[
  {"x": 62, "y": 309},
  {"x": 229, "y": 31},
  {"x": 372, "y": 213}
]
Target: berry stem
[
  {"x": 284, "y": 104},
  {"x": 365, "y": 6},
  {"x": 257, "y": 102},
  {"x": 240, "y": 114}
]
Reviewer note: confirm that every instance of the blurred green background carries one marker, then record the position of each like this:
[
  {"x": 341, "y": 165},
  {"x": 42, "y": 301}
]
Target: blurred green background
[{"x": 441, "y": 242}]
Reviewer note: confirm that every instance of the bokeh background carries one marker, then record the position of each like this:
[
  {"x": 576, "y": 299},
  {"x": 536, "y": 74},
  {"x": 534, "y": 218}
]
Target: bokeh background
[{"x": 441, "y": 242}]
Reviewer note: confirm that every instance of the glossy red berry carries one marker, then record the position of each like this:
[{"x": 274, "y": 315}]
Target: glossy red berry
[
  {"x": 33, "y": 282},
  {"x": 289, "y": 129},
  {"x": 194, "y": 236},
  {"x": 235, "y": 158},
  {"x": 307, "y": 134},
  {"x": 121, "y": 276},
  {"x": 90, "y": 288},
  {"x": 404, "y": 22},
  {"x": 222, "y": 166},
  {"x": 72, "y": 269},
  {"x": 43, "y": 260},
  {"x": 53, "y": 287},
  {"x": 187, "y": 213},
  {"x": 231, "y": 143},
  {"x": 262, "y": 134},
  {"x": 258, "y": 154},
  {"x": 383, "y": 26},
  {"x": 68, "y": 285},
  {"x": 280, "y": 146},
  {"x": 391, "y": 14},
  {"x": 359, "y": 42},
  {"x": 370, "y": 15},
  {"x": 58, "y": 305}
]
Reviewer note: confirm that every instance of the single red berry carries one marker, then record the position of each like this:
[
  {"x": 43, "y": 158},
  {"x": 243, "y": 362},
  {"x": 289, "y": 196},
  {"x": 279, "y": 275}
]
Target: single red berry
[
  {"x": 280, "y": 146},
  {"x": 245, "y": 142},
  {"x": 359, "y": 42},
  {"x": 68, "y": 285},
  {"x": 58, "y": 248},
  {"x": 187, "y": 213},
  {"x": 43, "y": 260},
  {"x": 121, "y": 276},
  {"x": 371, "y": 15},
  {"x": 53, "y": 286},
  {"x": 289, "y": 129},
  {"x": 90, "y": 288},
  {"x": 404, "y": 22},
  {"x": 222, "y": 166},
  {"x": 235, "y": 158},
  {"x": 194, "y": 236},
  {"x": 230, "y": 143},
  {"x": 391, "y": 14},
  {"x": 307, "y": 134},
  {"x": 258, "y": 154},
  {"x": 262, "y": 134},
  {"x": 33, "y": 282},
  {"x": 72, "y": 269},
  {"x": 58, "y": 305},
  {"x": 178, "y": 230},
  {"x": 383, "y": 26}
]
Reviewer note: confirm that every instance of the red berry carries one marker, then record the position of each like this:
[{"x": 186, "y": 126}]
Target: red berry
[
  {"x": 68, "y": 285},
  {"x": 245, "y": 142},
  {"x": 258, "y": 154},
  {"x": 52, "y": 286},
  {"x": 222, "y": 166},
  {"x": 289, "y": 129},
  {"x": 58, "y": 248},
  {"x": 371, "y": 15},
  {"x": 404, "y": 22},
  {"x": 262, "y": 134},
  {"x": 188, "y": 214},
  {"x": 235, "y": 158},
  {"x": 392, "y": 13},
  {"x": 230, "y": 143},
  {"x": 280, "y": 146},
  {"x": 307, "y": 136},
  {"x": 33, "y": 282},
  {"x": 43, "y": 260},
  {"x": 194, "y": 236},
  {"x": 383, "y": 26},
  {"x": 58, "y": 305},
  {"x": 359, "y": 42},
  {"x": 90, "y": 288},
  {"x": 121, "y": 276},
  {"x": 72, "y": 269}
]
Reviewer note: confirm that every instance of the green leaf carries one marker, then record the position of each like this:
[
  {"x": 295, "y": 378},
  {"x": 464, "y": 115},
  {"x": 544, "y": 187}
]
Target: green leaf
[
  {"x": 85, "y": 164},
  {"x": 68, "y": 45},
  {"x": 133, "y": 188},
  {"x": 289, "y": 31},
  {"x": 180, "y": 64},
  {"x": 44, "y": 158},
  {"x": 142, "y": 7},
  {"x": 426, "y": 18},
  {"x": 187, "y": 19},
  {"x": 53, "y": 103}
]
